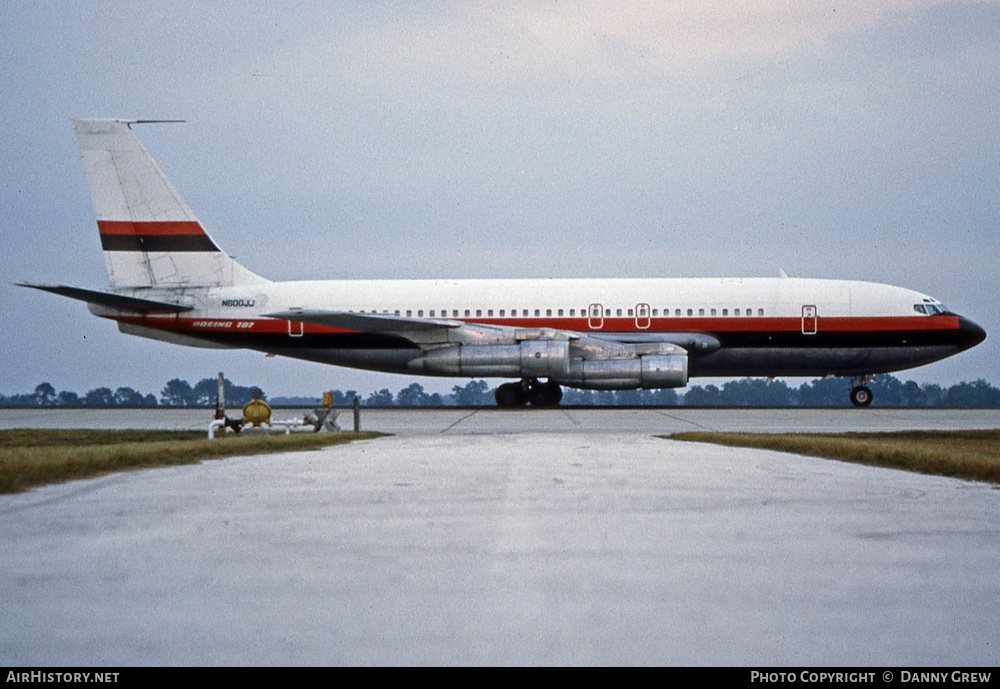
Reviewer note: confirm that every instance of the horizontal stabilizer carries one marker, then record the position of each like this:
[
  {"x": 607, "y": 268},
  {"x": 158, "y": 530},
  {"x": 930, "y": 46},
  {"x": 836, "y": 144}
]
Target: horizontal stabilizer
[
  {"x": 362, "y": 322},
  {"x": 113, "y": 301}
]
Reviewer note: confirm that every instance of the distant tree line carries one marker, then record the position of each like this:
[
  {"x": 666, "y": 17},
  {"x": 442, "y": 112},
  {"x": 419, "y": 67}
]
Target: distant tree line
[
  {"x": 176, "y": 393},
  {"x": 888, "y": 391}
]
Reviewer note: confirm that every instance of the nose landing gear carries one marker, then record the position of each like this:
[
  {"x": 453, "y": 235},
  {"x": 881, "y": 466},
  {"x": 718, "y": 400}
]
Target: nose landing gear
[{"x": 529, "y": 390}]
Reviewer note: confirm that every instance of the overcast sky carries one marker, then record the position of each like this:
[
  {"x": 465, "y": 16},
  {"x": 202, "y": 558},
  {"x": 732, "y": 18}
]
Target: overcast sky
[{"x": 856, "y": 140}]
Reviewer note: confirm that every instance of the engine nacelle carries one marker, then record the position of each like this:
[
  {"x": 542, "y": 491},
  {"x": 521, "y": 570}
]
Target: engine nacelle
[
  {"x": 527, "y": 359},
  {"x": 648, "y": 372}
]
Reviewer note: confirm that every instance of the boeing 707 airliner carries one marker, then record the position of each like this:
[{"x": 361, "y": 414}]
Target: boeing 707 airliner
[{"x": 170, "y": 281}]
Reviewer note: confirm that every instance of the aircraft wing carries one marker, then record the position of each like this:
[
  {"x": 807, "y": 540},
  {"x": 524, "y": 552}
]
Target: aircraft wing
[
  {"x": 433, "y": 330},
  {"x": 694, "y": 343},
  {"x": 363, "y": 322},
  {"x": 421, "y": 331},
  {"x": 111, "y": 300}
]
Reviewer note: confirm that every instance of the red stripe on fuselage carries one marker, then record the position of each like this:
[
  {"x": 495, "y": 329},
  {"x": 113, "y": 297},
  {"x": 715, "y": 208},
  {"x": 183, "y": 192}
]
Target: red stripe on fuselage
[
  {"x": 150, "y": 228},
  {"x": 732, "y": 324},
  {"x": 754, "y": 324}
]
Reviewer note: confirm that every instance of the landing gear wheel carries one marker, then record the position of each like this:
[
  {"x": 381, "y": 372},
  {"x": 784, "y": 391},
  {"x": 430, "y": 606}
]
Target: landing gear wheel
[
  {"x": 546, "y": 395},
  {"x": 510, "y": 395},
  {"x": 861, "y": 396}
]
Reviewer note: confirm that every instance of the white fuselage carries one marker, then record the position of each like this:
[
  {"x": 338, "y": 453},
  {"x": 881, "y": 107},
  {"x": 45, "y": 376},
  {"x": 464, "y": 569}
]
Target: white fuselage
[{"x": 749, "y": 326}]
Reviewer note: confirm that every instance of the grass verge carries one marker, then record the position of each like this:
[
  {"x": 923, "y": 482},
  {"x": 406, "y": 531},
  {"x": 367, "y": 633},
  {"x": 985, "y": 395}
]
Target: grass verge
[
  {"x": 30, "y": 458},
  {"x": 973, "y": 455}
]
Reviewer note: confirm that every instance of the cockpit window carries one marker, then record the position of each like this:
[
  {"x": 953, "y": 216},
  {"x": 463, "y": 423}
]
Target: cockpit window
[{"x": 930, "y": 309}]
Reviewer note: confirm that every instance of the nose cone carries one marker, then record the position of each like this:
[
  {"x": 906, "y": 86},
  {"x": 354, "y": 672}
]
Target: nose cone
[{"x": 969, "y": 333}]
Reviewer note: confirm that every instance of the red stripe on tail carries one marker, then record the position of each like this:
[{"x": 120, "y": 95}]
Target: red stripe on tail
[{"x": 170, "y": 228}]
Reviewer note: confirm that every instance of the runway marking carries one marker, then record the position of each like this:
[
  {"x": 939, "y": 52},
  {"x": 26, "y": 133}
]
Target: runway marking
[
  {"x": 448, "y": 428},
  {"x": 677, "y": 418},
  {"x": 571, "y": 419}
]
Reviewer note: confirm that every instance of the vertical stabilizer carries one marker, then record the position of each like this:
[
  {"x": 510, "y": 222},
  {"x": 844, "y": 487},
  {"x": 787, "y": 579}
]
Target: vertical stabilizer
[{"x": 149, "y": 235}]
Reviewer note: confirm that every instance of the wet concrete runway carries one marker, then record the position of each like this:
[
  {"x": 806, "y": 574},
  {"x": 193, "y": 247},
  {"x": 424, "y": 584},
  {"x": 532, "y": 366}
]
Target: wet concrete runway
[{"x": 543, "y": 547}]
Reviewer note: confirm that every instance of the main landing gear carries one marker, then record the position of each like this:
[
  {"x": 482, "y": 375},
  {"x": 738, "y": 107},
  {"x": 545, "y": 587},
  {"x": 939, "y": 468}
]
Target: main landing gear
[
  {"x": 539, "y": 394},
  {"x": 861, "y": 394}
]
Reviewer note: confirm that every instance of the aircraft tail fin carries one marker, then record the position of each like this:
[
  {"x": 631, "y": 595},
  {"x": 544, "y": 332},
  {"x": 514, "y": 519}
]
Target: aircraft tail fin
[{"x": 149, "y": 235}]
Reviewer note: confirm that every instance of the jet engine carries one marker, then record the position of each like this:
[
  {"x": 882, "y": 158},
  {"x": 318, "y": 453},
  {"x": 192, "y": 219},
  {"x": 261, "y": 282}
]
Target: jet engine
[
  {"x": 584, "y": 363},
  {"x": 527, "y": 359},
  {"x": 649, "y": 371}
]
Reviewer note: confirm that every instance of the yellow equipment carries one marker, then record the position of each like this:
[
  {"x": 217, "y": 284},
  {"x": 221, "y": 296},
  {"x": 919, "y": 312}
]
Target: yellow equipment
[{"x": 256, "y": 412}]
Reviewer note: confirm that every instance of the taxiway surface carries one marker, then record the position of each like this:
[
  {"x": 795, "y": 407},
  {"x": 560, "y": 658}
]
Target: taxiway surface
[
  {"x": 490, "y": 420},
  {"x": 530, "y": 548}
]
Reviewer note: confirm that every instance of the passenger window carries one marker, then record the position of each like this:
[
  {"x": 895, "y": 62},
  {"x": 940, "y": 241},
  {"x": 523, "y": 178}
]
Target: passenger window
[
  {"x": 431, "y": 314},
  {"x": 725, "y": 312},
  {"x": 736, "y": 312},
  {"x": 701, "y": 312},
  {"x": 548, "y": 312},
  {"x": 409, "y": 313},
  {"x": 690, "y": 312},
  {"x": 656, "y": 312},
  {"x": 560, "y": 312},
  {"x": 749, "y": 312},
  {"x": 479, "y": 313},
  {"x": 467, "y": 313},
  {"x": 760, "y": 312},
  {"x": 713, "y": 312},
  {"x": 420, "y": 313}
]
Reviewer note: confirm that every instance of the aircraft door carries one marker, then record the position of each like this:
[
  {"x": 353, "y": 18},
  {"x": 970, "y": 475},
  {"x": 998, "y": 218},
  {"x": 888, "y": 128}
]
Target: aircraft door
[
  {"x": 809, "y": 320},
  {"x": 595, "y": 317},
  {"x": 642, "y": 316}
]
